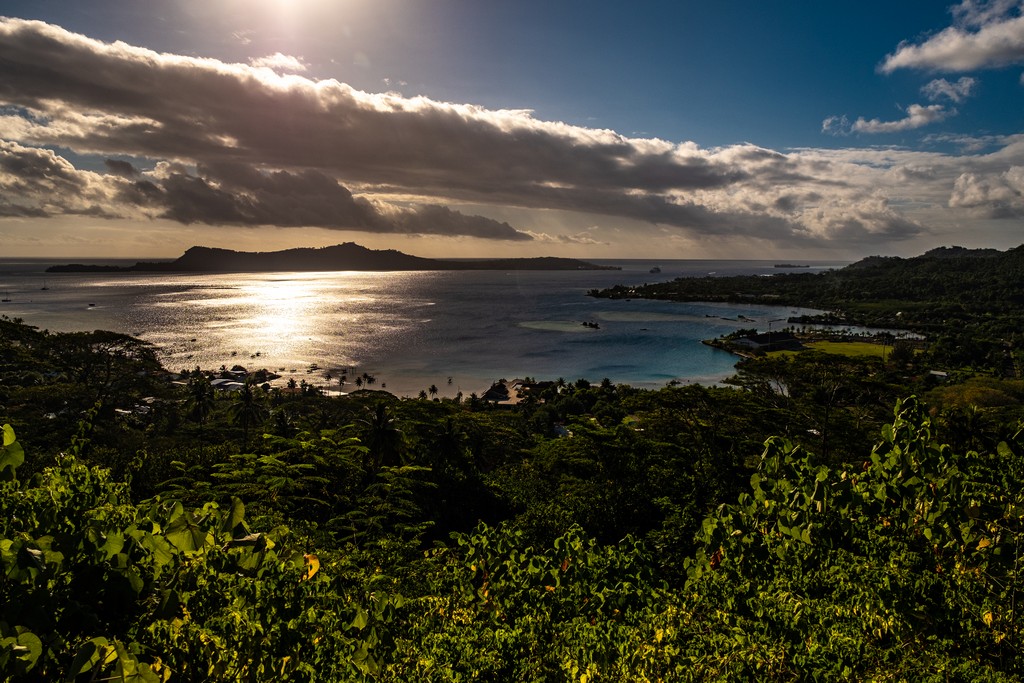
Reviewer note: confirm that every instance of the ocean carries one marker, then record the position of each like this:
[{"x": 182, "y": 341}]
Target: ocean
[{"x": 459, "y": 331}]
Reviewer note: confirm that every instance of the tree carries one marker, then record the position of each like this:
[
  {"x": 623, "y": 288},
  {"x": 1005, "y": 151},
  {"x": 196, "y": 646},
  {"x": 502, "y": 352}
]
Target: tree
[
  {"x": 432, "y": 390},
  {"x": 248, "y": 409},
  {"x": 199, "y": 402},
  {"x": 915, "y": 551},
  {"x": 384, "y": 441}
]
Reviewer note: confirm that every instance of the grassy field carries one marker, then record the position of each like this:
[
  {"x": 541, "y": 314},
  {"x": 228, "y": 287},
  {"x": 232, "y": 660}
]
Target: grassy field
[{"x": 852, "y": 348}]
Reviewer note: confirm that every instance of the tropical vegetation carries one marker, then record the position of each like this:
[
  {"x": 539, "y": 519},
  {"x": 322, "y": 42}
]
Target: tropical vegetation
[{"x": 822, "y": 517}]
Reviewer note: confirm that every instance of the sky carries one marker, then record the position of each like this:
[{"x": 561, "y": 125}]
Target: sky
[{"x": 598, "y": 129}]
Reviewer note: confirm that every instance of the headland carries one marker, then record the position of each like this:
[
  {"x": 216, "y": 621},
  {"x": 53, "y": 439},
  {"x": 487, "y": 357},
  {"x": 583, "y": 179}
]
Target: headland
[{"x": 347, "y": 256}]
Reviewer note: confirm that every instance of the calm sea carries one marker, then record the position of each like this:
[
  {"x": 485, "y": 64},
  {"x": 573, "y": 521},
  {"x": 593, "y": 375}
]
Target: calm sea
[{"x": 408, "y": 329}]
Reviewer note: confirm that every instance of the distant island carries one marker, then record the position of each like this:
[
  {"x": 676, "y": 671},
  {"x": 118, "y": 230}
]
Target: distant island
[{"x": 348, "y": 256}]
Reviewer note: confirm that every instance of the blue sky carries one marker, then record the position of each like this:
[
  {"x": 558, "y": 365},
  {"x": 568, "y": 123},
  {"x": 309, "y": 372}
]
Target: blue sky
[{"x": 459, "y": 127}]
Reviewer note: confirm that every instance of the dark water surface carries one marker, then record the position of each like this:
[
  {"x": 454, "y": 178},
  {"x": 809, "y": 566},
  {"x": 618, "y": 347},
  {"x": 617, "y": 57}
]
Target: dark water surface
[{"x": 408, "y": 329}]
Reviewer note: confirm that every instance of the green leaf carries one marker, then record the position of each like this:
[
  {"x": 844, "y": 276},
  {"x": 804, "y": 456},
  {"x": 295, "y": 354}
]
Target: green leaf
[
  {"x": 134, "y": 580},
  {"x": 131, "y": 670},
  {"x": 159, "y": 549},
  {"x": 89, "y": 655},
  {"x": 234, "y": 521},
  {"x": 888, "y": 434},
  {"x": 361, "y": 619},
  {"x": 11, "y": 455},
  {"x": 113, "y": 544},
  {"x": 28, "y": 647},
  {"x": 186, "y": 535}
]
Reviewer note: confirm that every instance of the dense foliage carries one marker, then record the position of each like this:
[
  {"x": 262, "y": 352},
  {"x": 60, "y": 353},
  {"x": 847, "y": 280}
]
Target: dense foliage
[{"x": 792, "y": 527}]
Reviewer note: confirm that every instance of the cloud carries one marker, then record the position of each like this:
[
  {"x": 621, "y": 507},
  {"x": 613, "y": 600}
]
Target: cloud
[
  {"x": 984, "y": 36},
  {"x": 955, "y": 92},
  {"x": 281, "y": 63},
  {"x": 235, "y": 194},
  {"x": 124, "y": 169},
  {"x": 836, "y": 125},
  {"x": 584, "y": 237},
  {"x": 999, "y": 195},
  {"x": 118, "y": 99},
  {"x": 38, "y": 182},
  {"x": 917, "y": 116},
  {"x": 241, "y": 145},
  {"x": 977, "y": 13}
]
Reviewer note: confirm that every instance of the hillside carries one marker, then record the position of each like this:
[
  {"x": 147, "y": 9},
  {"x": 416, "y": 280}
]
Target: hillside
[{"x": 943, "y": 289}]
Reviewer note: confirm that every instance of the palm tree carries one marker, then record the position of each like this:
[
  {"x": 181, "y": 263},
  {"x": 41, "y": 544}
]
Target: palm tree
[
  {"x": 248, "y": 409},
  {"x": 422, "y": 395},
  {"x": 359, "y": 382},
  {"x": 432, "y": 390},
  {"x": 448, "y": 447},
  {"x": 384, "y": 440},
  {"x": 200, "y": 402}
]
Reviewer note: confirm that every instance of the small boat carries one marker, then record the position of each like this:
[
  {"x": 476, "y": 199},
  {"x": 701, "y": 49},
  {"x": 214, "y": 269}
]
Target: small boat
[
  {"x": 44, "y": 287},
  {"x": 91, "y": 305},
  {"x": 7, "y": 298}
]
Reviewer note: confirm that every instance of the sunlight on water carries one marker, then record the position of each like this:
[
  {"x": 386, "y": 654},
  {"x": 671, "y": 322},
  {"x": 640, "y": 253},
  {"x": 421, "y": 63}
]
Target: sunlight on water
[{"x": 408, "y": 329}]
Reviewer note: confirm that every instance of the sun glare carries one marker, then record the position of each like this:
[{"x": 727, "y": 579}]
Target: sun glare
[{"x": 279, "y": 315}]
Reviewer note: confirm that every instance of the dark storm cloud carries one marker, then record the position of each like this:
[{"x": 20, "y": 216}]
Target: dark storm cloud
[
  {"x": 235, "y": 194},
  {"x": 122, "y": 168}
]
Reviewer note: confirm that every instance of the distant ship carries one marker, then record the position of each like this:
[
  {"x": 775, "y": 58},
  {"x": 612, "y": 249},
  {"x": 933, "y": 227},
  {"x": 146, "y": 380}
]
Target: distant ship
[
  {"x": 792, "y": 265},
  {"x": 655, "y": 269}
]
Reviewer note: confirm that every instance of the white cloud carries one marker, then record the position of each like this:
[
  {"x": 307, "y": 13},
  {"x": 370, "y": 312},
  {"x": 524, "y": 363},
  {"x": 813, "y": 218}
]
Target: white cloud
[
  {"x": 836, "y": 125},
  {"x": 585, "y": 237},
  {"x": 986, "y": 36},
  {"x": 976, "y": 13},
  {"x": 995, "y": 195},
  {"x": 955, "y": 92},
  {"x": 280, "y": 63},
  {"x": 917, "y": 117}
]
